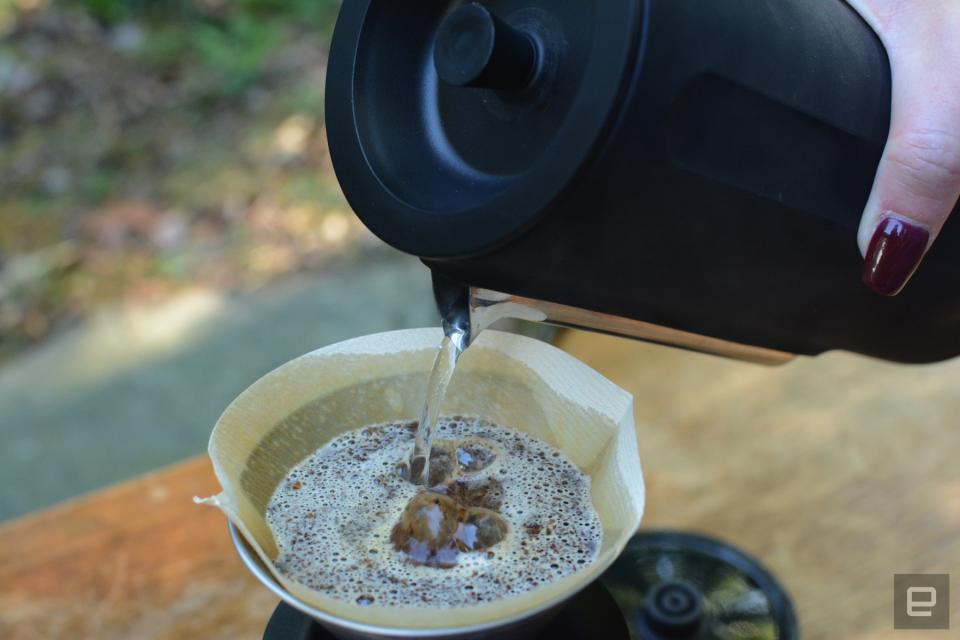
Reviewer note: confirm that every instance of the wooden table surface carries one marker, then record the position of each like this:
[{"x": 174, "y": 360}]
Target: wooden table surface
[
  {"x": 837, "y": 472},
  {"x": 135, "y": 561}
]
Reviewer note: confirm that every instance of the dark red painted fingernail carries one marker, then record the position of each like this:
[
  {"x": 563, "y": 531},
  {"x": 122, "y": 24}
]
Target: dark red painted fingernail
[{"x": 895, "y": 252}]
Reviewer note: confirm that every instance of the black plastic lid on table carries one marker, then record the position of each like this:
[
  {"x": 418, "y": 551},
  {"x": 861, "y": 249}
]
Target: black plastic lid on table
[
  {"x": 673, "y": 585},
  {"x": 453, "y": 126}
]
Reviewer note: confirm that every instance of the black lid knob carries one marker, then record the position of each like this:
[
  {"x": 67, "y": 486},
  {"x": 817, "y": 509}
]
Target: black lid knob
[
  {"x": 439, "y": 170},
  {"x": 474, "y": 48}
]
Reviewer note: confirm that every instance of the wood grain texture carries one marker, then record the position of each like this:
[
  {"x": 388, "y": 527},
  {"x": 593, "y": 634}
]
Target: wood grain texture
[
  {"x": 837, "y": 472},
  {"x": 136, "y": 561}
]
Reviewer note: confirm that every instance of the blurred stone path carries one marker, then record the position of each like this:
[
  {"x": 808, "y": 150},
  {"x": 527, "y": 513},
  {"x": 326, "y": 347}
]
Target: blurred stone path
[{"x": 133, "y": 390}]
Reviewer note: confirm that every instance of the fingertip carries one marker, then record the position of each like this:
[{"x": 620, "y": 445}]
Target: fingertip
[{"x": 894, "y": 251}]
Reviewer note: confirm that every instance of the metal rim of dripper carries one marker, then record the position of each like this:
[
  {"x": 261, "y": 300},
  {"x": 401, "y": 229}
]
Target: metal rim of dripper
[{"x": 255, "y": 565}]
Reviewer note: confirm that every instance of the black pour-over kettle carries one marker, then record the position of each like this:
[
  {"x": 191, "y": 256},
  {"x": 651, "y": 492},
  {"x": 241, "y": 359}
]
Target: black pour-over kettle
[{"x": 690, "y": 172}]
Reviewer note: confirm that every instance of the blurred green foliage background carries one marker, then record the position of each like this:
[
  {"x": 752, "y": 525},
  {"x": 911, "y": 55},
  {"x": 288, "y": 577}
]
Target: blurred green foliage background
[
  {"x": 231, "y": 41},
  {"x": 151, "y": 146},
  {"x": 170, "y": 229}
]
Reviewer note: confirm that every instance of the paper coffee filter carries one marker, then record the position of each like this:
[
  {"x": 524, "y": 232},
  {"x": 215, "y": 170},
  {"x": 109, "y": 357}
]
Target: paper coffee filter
[{"x": 510, "y": 380}]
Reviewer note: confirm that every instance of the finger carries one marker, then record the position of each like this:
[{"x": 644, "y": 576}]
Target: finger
[{"x": 918, "y": 180}]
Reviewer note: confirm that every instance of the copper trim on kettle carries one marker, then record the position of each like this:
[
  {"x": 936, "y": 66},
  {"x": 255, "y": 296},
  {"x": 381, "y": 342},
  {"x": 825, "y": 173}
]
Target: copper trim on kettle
[{"x": 486, "y": 307}]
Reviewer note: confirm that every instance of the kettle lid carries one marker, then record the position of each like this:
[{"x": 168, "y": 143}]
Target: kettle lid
[{"x": 453, "y": 126}]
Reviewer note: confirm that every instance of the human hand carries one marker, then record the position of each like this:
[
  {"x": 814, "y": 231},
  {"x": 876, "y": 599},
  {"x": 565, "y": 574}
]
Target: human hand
[{"x": 918, "y": 181}]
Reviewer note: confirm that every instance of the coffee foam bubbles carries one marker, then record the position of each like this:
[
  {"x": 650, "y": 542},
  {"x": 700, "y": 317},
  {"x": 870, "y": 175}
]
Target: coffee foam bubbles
[{"x": 333, "y": 514}]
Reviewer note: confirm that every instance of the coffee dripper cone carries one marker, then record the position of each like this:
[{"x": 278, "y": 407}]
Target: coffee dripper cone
[{"x": 507, "y": 379}]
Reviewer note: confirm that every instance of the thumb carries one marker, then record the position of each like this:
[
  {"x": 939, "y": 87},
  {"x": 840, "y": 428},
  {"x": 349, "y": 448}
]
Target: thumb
[{"x": 918, "y": 181}]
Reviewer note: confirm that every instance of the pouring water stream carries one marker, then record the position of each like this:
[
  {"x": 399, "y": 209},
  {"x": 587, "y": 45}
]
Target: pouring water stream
[
  {"x": 464, "y": 313},
  {"x": 453, "y": 303}
]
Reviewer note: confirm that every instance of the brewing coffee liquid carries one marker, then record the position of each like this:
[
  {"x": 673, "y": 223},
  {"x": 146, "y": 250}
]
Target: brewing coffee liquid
[{"x": 503, "y": 513}]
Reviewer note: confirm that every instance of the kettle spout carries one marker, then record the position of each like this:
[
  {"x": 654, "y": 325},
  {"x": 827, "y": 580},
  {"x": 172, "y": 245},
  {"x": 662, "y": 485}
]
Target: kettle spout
[
  {"x": 453, "y": 305},
  {"x": 465, "y": 311}
]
